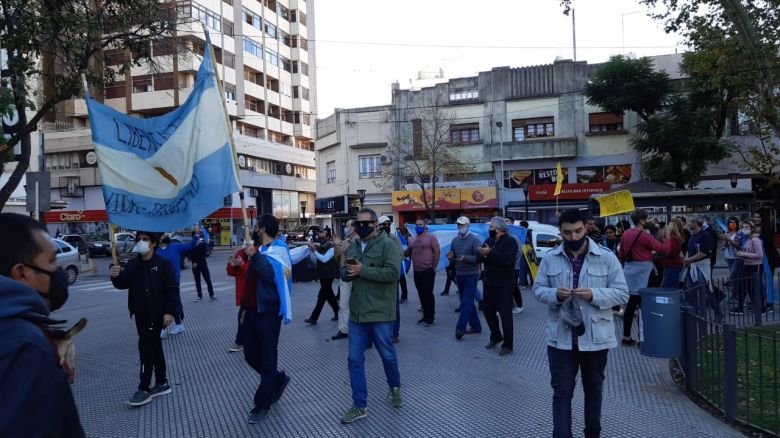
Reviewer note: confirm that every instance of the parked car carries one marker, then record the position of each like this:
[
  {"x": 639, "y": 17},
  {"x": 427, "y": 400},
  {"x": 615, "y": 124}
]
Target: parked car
[
  {"x": 544, "y": 238},
  {"x": 297, "y": 234},
  {"x": 89, "y": 244},
  {"x": 68, "y": 258}
]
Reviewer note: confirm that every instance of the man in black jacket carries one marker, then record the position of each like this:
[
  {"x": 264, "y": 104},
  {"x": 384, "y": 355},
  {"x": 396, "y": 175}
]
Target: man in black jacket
[
  {"x": 152, "y": 298},
  {"x": 199, "y": 266},
  {"x": 35, "y": 396},
  {"x": 498, "y": 253},
  {"x": 327, "y": 271}
]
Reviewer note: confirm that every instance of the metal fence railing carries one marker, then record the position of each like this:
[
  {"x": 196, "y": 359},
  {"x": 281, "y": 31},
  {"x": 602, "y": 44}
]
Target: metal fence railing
[{"x": 730, "y": 358}]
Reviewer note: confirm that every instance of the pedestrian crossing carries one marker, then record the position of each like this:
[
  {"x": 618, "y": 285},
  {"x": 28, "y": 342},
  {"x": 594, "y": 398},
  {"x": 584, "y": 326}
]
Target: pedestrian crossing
[{"x": 105, "y": 284}]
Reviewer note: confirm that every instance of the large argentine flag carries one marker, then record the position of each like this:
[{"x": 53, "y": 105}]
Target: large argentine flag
[
  {"x": 167, "y": 172},
  {"x": 446, "y": 232}
]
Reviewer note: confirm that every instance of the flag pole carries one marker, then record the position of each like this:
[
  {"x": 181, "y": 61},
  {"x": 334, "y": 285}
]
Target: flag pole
[
  {"x": 244, "y": 216},
  {"x": 111, "y": 231}
]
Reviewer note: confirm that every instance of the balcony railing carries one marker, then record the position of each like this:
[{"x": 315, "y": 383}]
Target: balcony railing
[{"x": 534, "y": 149}]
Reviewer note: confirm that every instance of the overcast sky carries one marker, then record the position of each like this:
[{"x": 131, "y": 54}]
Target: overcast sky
[{"x": 363, "y": 46}]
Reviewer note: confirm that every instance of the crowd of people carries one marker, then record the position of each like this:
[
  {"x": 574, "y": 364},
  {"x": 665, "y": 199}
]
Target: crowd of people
[{"x": 585, "y": 282}]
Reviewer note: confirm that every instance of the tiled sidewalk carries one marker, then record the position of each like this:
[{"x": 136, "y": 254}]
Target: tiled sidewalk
[{"x": 451, "y": 388}]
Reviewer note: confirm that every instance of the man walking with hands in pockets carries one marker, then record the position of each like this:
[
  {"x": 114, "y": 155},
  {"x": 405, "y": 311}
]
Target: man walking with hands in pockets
[{"x": 579, "y": 281}]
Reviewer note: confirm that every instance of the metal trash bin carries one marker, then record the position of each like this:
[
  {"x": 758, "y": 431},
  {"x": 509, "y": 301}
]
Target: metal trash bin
[{"x": 662, "y": 322}]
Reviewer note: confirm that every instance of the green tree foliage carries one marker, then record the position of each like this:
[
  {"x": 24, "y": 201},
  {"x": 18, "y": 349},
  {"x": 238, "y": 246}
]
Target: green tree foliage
[
  {"x": 50, "y": 43},
  {"x": 629, "y": 84},
  {"x": 676, "y": 137}
]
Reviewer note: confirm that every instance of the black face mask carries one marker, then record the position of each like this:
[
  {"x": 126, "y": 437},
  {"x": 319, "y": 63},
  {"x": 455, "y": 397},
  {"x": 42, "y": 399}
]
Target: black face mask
[
  {"x": 256, "y": 238},
  {"x": 58, "y": 287},
  {"x": 575, "y": 245},
  {"x": 492, "y": 234},
  {"x": 387, "y": 228},
  {"x": 364, "y": 232}
]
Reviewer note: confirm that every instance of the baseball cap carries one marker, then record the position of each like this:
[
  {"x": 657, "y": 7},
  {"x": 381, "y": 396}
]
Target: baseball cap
[
  {"x": 383, "y": 219},
  {"x": 463, "y": 220}
]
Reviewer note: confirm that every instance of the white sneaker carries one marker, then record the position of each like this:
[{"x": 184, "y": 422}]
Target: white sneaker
[
  {"x": 177, "y": 328},
  {"x": 517, "y": 310}
]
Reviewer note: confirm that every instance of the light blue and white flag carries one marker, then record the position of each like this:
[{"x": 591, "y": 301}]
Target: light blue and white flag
[
  {"x": 278, "y": 254},
  {"x": 166, "y": 172},
  {"x": 446, "y": 232}
]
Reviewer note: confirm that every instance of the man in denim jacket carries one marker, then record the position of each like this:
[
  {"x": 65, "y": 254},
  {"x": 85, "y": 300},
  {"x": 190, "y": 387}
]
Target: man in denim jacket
[{"x": 591, "y": 275}]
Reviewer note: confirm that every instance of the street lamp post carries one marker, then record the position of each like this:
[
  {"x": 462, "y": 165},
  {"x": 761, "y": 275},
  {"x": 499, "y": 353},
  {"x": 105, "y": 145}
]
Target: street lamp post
[
  {"x": 525, "y": 192},
  {"x": 501, "y": 187},
  {"x": 303, "y": 211},
  {"x": 362, "y": 196}
]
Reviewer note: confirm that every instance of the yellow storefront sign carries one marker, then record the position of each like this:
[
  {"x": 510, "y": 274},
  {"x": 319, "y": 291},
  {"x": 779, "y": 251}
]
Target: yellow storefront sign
[{"x": 616, "y": 203}]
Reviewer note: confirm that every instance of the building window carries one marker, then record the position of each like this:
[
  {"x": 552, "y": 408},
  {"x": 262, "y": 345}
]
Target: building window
[
  {"x": 301, "y": 67},
  {"x": 330, "y": 172},
  {"x": 524, "y": 129},
  {"x": 253, "y": 47},
  {"x": 295, "y": 92},
  {"x": 465, "y": 133},
  {"x": 253, "y": 76},
  {"x": 417, "y": 145},
  {"x": 229, "y": 59},
  {"x": 230, "y": 91},
  {"x": 286, "y": 64},
  {"x": 253, "y": 104},
  {"x": 283, "y": 37},
  {"x": 472, "y": 93},
  {"x": 305, "y": 93},
  {"x": 271, "y": 57},
  {"x": 370, "y": 166},
  {"x": 142, "y": 84},
  {"x": 285, "y": 89},
  {"x": 302, "y": 18},
  {"x": 227, "y": 26},
  {"x": 605, "y": 122}
]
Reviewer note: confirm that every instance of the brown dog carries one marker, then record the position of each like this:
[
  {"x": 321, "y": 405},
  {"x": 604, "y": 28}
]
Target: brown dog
[{"x": 66, "y": 350}]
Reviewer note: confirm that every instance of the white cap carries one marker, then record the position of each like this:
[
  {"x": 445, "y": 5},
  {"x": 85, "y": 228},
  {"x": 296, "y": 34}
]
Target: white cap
[
  {"x": 463, "y": 220},
  {"x": 383, "y": 219}
]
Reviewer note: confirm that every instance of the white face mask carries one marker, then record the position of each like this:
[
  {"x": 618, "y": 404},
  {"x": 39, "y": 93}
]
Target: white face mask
[
  {"x": 747, "y": 231},
  {"x": 141, "y": 247}
]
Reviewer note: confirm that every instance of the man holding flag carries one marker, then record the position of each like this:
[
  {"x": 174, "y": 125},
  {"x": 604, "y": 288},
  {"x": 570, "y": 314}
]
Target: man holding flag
[{"x": 261, "y": 326}]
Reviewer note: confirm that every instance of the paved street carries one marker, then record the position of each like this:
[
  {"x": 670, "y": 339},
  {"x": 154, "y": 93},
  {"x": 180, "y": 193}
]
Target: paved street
[{"x": 451, "y": 388}]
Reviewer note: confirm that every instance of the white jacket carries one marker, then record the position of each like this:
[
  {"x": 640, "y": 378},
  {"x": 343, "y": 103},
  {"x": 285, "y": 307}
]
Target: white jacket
[{"x": 602, "y": 273}]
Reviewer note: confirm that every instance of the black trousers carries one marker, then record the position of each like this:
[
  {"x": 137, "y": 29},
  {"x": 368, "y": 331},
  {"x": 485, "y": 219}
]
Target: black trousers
[
  {"x": 197, "y": 270},
  {"x": 325, "y": 295},
  {"x": 151, "y": 351},
  {"x": 404, "y": 289},
  {"x": 179, "y": 315},
  {"x": 564, "y": 365},
  {"x": 628, "y": 317},
  {"x": 516, "y": 295},
  {"x": 498, "y": 302},
  {"x": 450, "y": 270},
  {"x": 423, "y": 281},
  {"x": 260, "y": 334}
]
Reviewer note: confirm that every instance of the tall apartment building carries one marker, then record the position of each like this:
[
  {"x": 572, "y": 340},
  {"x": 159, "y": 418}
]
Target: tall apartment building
[
  {"x": 268, "y": 71},
  {"x": 514, "y": 125}
]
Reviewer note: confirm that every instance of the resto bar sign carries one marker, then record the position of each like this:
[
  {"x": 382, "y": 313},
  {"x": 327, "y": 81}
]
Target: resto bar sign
[{"x": 545, "y": 192}]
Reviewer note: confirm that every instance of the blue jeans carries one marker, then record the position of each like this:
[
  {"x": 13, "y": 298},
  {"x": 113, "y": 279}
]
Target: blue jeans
[
  {"x": 397, "y": 325},
  {"x": 564, "y": 365},
  {"x": 671, "y": 278},
  {"x": 524, "y": 271},
  {"x": 359, "y": 336},
  {"x": 467, "y": 285}
]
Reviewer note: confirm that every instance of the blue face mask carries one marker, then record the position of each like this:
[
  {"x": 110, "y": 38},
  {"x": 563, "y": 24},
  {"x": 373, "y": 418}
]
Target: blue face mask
[
  {"x": 418, "y": 229},
  {"x": 463, "y": 231}
]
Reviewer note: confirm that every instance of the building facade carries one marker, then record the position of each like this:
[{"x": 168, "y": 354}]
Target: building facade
[
  {"x": 512, "y": 125},
  {"x": 267, "y": 67}
]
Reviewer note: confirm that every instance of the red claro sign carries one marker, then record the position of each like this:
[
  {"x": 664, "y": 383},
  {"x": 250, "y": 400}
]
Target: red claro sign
[
  {"x": 75, "y": 216},
  {"x": 546, "y": 192}
]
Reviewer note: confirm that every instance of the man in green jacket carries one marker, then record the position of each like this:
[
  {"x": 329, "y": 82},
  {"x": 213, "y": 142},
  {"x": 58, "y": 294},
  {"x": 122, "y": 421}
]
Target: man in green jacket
[{"x": 373, "y": 265}]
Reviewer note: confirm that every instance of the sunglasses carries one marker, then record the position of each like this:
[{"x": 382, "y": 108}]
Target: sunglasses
[{"x": 364, "y": 223}]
